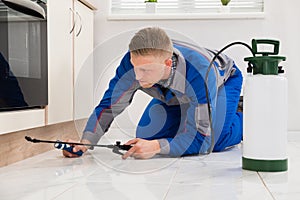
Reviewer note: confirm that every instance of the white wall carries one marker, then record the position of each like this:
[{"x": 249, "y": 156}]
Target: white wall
[{"x": 280, "y": 22}]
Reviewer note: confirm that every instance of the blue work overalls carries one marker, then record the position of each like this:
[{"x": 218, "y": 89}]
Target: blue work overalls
[{"x": 178, "y": 115}]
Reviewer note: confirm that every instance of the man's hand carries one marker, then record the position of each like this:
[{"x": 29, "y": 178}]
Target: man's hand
[
  {"x": 76, "y": 148},
  {"x": 142, "y": 149}
]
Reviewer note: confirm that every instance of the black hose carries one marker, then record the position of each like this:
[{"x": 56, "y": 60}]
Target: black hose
[{"x": 206, "y": 87}]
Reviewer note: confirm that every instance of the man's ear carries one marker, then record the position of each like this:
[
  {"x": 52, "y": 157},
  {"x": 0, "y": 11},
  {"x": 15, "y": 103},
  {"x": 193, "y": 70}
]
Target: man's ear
[{"x": 168, "y": 62}]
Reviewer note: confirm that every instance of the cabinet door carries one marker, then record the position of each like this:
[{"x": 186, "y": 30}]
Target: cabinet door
[
  {"x": 83, "y": 61},
  {"x": 60, "y": 64}
]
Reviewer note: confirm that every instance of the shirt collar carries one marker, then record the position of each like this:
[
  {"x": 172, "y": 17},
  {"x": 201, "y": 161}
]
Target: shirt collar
[
  {"x": 167, "y": 82},
  {"x": 179, "y": 79}
]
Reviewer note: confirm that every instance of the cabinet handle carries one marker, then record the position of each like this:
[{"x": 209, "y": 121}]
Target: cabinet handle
[
  {"x": 79, "y": 31},
  {"x": 74, "y": 22}
]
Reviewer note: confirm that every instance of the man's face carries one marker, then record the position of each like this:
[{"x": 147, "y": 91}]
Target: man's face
[{"x": 149, "y": 69}]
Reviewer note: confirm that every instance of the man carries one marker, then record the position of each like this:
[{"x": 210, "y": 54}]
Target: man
[{"x": 177, "y": 121}]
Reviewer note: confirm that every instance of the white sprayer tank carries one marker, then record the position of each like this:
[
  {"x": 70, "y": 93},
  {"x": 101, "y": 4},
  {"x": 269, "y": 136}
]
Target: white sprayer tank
[{"x": 265, "y": 117}]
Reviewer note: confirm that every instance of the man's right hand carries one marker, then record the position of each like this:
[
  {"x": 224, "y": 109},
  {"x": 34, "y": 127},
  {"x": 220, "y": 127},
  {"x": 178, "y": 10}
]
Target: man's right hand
[{"x": 76, "y": 148}]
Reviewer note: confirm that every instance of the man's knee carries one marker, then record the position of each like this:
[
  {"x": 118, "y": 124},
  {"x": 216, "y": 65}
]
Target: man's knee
[{"x": 233, "y": 136}]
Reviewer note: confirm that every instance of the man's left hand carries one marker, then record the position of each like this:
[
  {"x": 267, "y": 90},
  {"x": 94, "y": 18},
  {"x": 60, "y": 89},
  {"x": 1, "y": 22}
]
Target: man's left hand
[{"x": 142, "y": 149}]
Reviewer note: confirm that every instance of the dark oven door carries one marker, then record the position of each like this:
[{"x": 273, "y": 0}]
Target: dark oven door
[{"x": 23, "y": 60}]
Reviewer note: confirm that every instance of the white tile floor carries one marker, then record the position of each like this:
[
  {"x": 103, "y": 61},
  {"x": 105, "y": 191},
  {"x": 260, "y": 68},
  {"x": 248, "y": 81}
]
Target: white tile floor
[{"x": 104, "y": 175}]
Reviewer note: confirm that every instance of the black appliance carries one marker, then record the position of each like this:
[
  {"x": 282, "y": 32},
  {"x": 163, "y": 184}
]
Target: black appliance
[{"x": 23, "y": 56}]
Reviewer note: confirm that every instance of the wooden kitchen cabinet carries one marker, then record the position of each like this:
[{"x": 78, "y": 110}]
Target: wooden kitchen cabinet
[
  {"x": 70, "y": 44},
  {"x": 83, "y": 61},
  {"x": 60, "y": 75},
  {"x": 70, "y": 47}
]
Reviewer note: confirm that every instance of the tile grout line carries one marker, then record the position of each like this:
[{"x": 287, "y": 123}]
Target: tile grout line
[
  {"x": 171, "y": 181},
  {"x": 264, "y": 183},
  {"x": 74, "y": 184},
  {"x": 56, "y": 196}
]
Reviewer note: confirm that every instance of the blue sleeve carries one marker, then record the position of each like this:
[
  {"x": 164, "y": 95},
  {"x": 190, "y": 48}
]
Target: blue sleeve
[{"x": 116, "y": 98}]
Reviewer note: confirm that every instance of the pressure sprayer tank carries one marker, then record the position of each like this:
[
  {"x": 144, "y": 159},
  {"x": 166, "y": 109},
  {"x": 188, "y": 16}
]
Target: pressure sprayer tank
[{"x": 265, "y": 111}]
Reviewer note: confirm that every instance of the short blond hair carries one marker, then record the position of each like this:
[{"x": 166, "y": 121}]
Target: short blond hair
[{"x": 151, "y": 41}]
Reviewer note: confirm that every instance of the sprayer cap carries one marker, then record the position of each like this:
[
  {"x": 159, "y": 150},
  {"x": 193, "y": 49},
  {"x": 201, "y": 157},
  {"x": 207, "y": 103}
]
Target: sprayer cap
[{"x": 263, "y": 63}]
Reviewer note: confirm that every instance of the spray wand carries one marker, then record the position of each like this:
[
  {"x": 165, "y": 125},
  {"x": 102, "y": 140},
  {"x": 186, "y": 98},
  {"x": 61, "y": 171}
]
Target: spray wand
[{"x": 68, "y": 146}]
